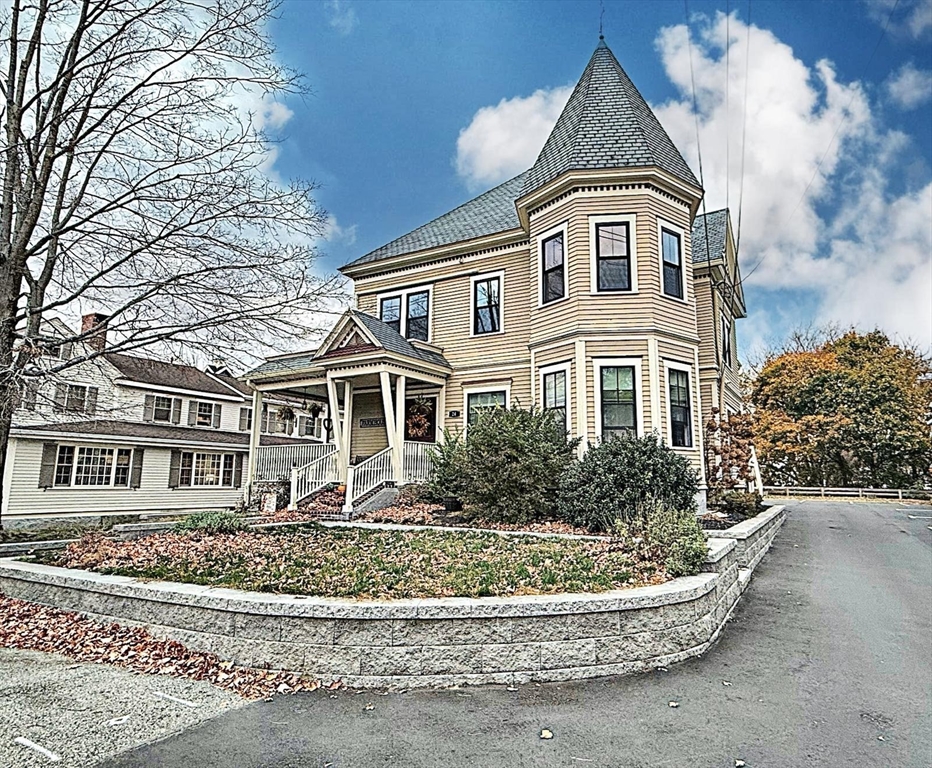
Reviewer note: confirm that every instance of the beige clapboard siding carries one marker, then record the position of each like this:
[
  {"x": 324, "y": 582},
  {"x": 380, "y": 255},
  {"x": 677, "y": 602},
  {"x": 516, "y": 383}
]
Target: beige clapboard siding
[
  {"x": 450, "y": 316},
  {"x": 559, "y": 355},
  {"x": 682, "y": 354},
  {"x": 25, "y": 497},
  {"x": 367, "y": 441},
  {"x": 705, "y": 318},
  {"x": 584, "y": 310}
]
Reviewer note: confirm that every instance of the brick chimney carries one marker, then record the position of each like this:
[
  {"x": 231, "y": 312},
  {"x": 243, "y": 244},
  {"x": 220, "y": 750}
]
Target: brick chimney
[{"x": 97, "y": 339}]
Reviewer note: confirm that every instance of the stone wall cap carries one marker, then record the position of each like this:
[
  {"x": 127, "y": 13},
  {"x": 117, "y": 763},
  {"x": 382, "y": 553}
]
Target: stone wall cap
[
  {"x": 749, "y": 527},
  {"x": 683, "y": 589}
]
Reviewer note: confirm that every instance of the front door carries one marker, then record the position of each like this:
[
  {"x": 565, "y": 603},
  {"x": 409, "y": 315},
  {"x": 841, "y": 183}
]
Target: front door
[{"x": 421, "y": 419}]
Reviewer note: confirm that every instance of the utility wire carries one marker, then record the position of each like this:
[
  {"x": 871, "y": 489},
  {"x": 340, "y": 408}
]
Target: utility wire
[{"x": 841, "y": 122}]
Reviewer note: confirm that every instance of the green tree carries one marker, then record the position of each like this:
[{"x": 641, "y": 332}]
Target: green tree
[{"x": 853, "y": 410}]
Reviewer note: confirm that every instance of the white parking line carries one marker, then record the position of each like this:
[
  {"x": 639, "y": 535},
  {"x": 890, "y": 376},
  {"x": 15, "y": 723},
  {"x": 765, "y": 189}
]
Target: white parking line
[
  {"x": 53, "y": 758},
  {"x": 175, "y": 699}
]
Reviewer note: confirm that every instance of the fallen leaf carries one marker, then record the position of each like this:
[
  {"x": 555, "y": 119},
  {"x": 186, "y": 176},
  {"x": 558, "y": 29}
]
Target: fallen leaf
[{"x": 369, "y": 707}]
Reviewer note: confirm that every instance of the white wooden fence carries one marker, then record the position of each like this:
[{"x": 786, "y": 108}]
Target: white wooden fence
[
  {"x": 275, "y": 462},
  {"x": 313, "y": 476},
  {"x": 367, "y": 476},
  {"x": 861, "y": 493},
  {"x": 416, "y": 462}
]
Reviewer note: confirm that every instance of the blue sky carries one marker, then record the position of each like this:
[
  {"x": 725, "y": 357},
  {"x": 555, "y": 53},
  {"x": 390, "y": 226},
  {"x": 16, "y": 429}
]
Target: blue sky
[{"x": 418, "y": 106}]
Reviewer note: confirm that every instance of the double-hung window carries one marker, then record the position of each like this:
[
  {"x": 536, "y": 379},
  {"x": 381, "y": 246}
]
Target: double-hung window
[
  {"x": 680, "y": 415},
  {"x": 417, "y": 326},
  {"x": 407, "y": 313},
  {"x": 390, "y": 312},
  {"x": 202, "y": 413},
  {"x": 75, "y": 398},
  {"x": 726, "y": 341},
  {"x": 553, "y": 273},
  {"x": 487, "y": 305},
  {"x": 672, "y": 258},
  {"x": 553, "y": 386},
  {"x": 93, "y": 466},
  {"x": 618, "y": 400},
  {"x": 206, "y": 469},
  {"x": 162, "y": 408},
  {"x": 613, "y": 256},
  {"x": 476, "y": 402}
]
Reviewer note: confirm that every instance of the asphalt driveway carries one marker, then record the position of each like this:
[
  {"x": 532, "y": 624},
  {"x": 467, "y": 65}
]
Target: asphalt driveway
[{"x": 828, "y": 661}]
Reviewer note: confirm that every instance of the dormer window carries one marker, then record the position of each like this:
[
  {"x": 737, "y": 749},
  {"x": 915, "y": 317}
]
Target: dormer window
[
  {"x": 670, "y": 246},
  {"x": 407, "y": 313},
  {"x": 553, "y": 278}
]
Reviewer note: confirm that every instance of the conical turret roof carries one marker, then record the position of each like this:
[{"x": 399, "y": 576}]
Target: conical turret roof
[{"x": 606, "y": 124}]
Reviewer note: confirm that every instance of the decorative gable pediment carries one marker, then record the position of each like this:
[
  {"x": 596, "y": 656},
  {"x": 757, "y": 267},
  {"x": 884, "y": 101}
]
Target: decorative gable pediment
[{"x": 348, "y": 336}]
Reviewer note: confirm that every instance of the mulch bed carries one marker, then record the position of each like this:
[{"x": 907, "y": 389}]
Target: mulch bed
[
  {"x": 433, "y": 514},
  {"x": 32, "y": 627},
  {"x": 719, "y": 521}
]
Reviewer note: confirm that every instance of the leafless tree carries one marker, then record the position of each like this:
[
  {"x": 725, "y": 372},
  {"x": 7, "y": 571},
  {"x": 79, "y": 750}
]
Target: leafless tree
[{"x": 135, "y": 184}]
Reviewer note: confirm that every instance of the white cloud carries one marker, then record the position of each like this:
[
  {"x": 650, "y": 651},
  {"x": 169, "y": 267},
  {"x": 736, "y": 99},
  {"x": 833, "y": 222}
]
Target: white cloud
[
  {"x": 910, "y": 87},
  {"x": 910, "y": 18},
  {"x": 334, "y": 233},
  {"x": 505, "y": 139},
  {"x": 343, "y": 18},
  {"x": 864, "y": 251},
  {"x": 271, "y": 114}
]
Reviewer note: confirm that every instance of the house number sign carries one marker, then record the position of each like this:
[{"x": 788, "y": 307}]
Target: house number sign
[{"x": 366, "y": 423}]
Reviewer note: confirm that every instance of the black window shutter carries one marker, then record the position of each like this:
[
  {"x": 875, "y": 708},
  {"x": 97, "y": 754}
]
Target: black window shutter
[
  {"x": 135, "y": 477},
  {"x": 47, "y": 467},
  {"x": 30, "y": 395},
  {"x": 238, "y": 470},
  {"x": 90, "y": 404},
  {"x": 192, "y": 413},
  {"x": 61, "y": 394},
  {"x": 176, "y": 410},
  {"x": 148, "y": 410},
  {"x": 217, "y": 411},
  {"x": 174, "y": 469}
]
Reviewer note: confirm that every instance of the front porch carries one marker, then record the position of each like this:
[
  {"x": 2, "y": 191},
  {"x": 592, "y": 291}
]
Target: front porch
[{"x": 384, "y": 397}]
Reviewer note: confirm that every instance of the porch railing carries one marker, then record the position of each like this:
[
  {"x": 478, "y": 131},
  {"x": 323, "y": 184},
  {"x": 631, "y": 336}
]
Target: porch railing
[
  {"x": 313, "y": 476},
  {"x": 366, "y": 476},
  {"x": 416, "y": 462},
  {"x": 274, "y": 462}
]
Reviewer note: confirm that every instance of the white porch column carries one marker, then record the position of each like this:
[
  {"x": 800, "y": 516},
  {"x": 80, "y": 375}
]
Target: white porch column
[
  {"x": 254, "y": 437},
  {"x": 400, "y": 393},
  {"x": 333, "y": 404},
  {"x": 391, "y": 431},
  {"x": 653, "y": 365},
  {"x": 347, "y": 423},
  {"x": 441, "y": 416}
]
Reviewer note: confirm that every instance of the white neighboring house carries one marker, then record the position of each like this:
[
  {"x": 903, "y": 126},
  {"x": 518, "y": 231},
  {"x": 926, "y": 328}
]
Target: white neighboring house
[{"x": 122, "y": 434}]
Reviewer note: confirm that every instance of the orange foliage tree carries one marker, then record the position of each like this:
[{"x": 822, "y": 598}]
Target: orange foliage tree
[{"x": 852, "y": 411}]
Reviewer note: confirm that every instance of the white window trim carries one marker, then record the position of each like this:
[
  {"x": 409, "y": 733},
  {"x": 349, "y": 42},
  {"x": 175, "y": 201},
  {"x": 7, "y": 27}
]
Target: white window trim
[
  {"x": 74, "y": 467},
  {"x": 557, "y": 367},
  {"x": 669, "y": 365},
  {"x": 615, "y": 362},
  {"x": 623, "y": 218},
  {"x": 403, "y": 295},
  {"x": 501, "y": 303},
  {"x": 725, "y": 342},
  {"x": 539, "y": 255},
  {"x": 467, "y": 391},
  {"x": 663, "y": 224},
  {"x": 196, "y": 453},
  {"x": 213, "y": 410}
]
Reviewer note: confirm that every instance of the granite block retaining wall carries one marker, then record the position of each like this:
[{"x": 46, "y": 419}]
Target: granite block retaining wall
[
  {"x": 411, "y": 643},
  {"x": 754, "y": 536}
]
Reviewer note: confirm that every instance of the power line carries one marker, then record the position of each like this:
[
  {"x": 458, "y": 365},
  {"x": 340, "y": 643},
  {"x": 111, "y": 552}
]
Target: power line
[{"x": 841, "y": 122}]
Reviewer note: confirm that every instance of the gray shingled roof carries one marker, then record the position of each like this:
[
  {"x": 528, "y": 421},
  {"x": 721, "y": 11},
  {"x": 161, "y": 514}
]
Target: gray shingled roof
[
  {"x": 159, "y": 373},
  {"x": 393, "y": 341},
  {"x": 493, "y": 211},
  {"x": 717, "y": 222},
  {"x": 168, "y": 433},
  {"x": 385, "y": 335},
  {"x": 606, "y": 124}
]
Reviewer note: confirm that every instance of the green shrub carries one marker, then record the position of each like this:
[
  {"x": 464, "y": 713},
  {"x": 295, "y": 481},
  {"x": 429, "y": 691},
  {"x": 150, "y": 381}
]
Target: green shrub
[
  {"x": 619, "y": 478},
  {"x": 668, "y": 536},
  {"x": 740, "y": 503},
  {"x": 446, "y": 479},
  {"x": 212, "y": 522},
  {"x": 414, "y": 493},
  {"x": 511, "y": 462}
]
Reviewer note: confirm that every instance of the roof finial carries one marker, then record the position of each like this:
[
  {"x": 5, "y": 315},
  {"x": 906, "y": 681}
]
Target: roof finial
[{"x": 601, "y": 16}]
